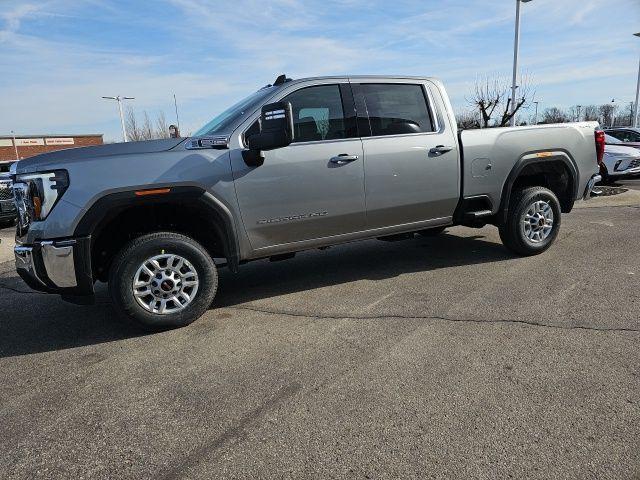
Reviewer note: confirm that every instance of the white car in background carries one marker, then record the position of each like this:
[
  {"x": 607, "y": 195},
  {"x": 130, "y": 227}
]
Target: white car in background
[{"x": 619, "y": 159}]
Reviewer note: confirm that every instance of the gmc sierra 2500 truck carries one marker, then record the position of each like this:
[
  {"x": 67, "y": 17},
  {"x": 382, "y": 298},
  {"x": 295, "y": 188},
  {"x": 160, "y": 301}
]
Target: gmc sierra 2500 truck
[{"x": 297, "y": 165}]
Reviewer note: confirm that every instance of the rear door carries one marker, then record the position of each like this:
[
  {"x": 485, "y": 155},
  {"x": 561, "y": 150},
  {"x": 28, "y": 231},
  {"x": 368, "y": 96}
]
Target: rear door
[
  {"x": 411, "y": 153},
  {"x": 313, "y": 188}
]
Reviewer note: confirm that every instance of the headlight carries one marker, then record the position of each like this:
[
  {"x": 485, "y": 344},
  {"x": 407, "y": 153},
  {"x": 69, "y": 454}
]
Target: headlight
[{"x": 40, "y": 191}]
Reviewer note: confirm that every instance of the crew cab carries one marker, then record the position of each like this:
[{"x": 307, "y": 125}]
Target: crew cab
[{"x": 297, "y": 165}]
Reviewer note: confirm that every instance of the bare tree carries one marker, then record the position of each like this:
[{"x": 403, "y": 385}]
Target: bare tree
[
  {"x": 131, "y": 124},
  {"x": 467, "y": 120},
  {"x": 145, "y": 130},
  {"x": 625, "y": 117},
  {"x": 524, "y": 96},
  {"x": 607, "y": 113},
  {"x": 574, "y": 113},
  {"x": 491, "y": 95},
  {"x": 591, "y": 113},
  {"x": 162, "y": 129},
  {"x": 147, "y": 126},
  {"x": 555, "y": 115},
  {"x": 488, "y": 94}
]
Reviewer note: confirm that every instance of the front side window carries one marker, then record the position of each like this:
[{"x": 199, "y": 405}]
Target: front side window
[
  {"x": 396, "y": 108},
  {"x": 317, "y": 114}
]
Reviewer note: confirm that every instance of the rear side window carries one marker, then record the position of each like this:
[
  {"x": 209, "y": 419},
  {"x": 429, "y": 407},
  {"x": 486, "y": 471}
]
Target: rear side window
[
  {"x": 317, "y": 113},
  {"x": 396, "y": 108}
]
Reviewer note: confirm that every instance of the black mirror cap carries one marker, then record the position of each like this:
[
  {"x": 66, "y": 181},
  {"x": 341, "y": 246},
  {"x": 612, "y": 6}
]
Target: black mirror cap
[{"x": 276, "y": 127}]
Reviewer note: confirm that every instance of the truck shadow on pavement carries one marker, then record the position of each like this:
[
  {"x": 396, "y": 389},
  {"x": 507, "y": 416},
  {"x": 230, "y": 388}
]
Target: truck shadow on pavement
[
  {"x": 31, "y": 322},
  {"x": 369, "y": 260}
]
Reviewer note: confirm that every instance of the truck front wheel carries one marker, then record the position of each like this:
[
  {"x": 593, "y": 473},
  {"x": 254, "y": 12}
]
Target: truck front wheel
[
  {"x": 533, "y": 221},
  {"x": 162, "y": 280}
]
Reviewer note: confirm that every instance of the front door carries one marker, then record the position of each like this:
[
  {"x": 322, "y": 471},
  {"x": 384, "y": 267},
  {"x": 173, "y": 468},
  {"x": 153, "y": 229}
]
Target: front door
[
  {"x": 411, "y": 156},
  {"x": 313, "y": 188}
]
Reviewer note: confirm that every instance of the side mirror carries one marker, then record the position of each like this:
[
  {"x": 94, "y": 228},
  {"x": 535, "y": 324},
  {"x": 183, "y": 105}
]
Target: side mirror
[{"x": 276, "y": 131}]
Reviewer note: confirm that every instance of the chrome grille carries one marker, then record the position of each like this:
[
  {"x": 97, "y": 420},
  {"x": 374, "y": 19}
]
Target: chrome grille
[
  {"x": 5, "y": 191},
  {"x": 24, "y": 207}
]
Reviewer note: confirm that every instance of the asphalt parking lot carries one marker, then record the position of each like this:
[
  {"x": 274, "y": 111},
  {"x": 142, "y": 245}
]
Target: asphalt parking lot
[{"x": 428, "y": 358}]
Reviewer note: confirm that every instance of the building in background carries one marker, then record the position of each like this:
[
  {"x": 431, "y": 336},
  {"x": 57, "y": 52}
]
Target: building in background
[{"x": 30, "y": 145}]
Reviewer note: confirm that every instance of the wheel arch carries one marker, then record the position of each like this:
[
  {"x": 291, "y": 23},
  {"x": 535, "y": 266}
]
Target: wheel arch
[
  {"x": 190, "y": 210},
  {"x": 555, "y": 170}
]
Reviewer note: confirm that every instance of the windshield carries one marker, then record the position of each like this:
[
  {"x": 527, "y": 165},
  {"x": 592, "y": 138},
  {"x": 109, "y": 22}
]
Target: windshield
[
  {"x": 5, "y": 167},
  {"x": 235, "y": 114}
]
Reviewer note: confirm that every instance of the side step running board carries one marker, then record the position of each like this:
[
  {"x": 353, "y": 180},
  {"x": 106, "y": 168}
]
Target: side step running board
[{"x": 477, "y": 215}]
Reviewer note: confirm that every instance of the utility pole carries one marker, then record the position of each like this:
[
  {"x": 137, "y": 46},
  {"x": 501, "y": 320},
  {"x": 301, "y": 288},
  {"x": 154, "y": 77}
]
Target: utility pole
[
  {"x": 516, "y": 48},
  {"x": 15, "y": 145},
  {"x": 579, "y": 108},
  {"x": 535, "y": 117},
  {"x": 119, "y": 99},
  {"x": 634, "y": 123},
  {"x": 613, "y": 112},
  {"x": 175, "y": 103}
]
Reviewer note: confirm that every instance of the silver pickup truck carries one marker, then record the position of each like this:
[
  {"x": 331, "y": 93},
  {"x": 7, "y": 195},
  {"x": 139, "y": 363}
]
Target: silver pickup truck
[{"x": 297, "y": 165}]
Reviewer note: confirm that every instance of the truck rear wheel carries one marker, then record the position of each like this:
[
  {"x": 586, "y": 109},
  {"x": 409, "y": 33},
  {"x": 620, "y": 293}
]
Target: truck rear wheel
[
  {"x": 533, "y": 221},
  {"x": 162, "y": 280}
]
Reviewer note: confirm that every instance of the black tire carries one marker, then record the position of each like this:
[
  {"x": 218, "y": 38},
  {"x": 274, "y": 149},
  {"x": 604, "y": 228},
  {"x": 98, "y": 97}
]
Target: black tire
[
  {"x": 431, "y": 232},
  {"x": 131, "y": 257},
  {"x": 512, "y": 232},
  {"x": 604, "y": 173}
]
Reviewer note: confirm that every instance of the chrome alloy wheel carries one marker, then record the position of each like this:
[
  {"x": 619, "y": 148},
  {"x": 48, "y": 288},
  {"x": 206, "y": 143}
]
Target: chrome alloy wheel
[
  {"x": 537, "y": 223},
  {"x": 165, "y": 284}
]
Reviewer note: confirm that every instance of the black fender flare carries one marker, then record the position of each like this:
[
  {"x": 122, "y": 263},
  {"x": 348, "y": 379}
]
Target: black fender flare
[
  {"x": 533, "y": 159},
  {"x": 112, "y": 204}
]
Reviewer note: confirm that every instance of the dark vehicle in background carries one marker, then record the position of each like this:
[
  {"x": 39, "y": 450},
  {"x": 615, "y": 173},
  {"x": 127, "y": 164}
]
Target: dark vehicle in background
[
  {"x": 629, "y": 136},
  {"x": 8, "y": 210}
]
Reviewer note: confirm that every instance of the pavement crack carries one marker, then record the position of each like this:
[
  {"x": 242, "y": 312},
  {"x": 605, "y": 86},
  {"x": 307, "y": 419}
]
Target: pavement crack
[
  {"x": 209, "y": 450},
  {"x": 435, "y": 317}
]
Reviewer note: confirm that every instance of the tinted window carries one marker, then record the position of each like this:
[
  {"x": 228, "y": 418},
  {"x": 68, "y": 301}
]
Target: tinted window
[
  {"x": 396, "y": 108},
  {"x": 616, "y": 134},
  {"x": 630, "y": 136},
  {"x": 317, "y": 113}
]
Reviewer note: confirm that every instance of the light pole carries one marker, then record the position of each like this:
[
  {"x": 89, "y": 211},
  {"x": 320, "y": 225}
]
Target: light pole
[
  {"x": 516, "y": 48},
  {"x": 535, "y": 116},
  {"x": 119, "y": 99},
  {"x": 613, "y": 112},
  {"x": 15, "y": 145},
  {"x": 634, "y": 123},
  {"x": 175, "y": 103}
]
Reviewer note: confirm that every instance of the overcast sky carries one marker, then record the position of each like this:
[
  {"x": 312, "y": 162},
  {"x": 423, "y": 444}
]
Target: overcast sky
[{"x": 60, "y": 56}]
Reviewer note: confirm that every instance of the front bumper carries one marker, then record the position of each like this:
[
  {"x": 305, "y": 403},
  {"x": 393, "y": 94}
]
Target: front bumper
[
  {"x": 625, "y": 173},
  {"x": 56, "y": 266},
  {"x": 589, "y": 191}
]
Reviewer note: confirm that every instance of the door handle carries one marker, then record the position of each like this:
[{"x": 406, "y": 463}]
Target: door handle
[
  {"x": 343, "y": 158},
  {"x": 440, "y": 149}
]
